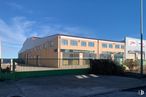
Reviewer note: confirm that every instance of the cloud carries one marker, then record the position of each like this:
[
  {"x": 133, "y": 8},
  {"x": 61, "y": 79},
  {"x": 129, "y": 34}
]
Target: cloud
[
  {"x": 15, "y": 5},
  {"x": 19, "y": 7},
  {"x": 19, "y": 28},
  {"x": 14, "y": 32},
  {"x": 49, "y": 29}
]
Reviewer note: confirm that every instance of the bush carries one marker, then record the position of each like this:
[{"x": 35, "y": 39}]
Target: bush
[
  {"x": 105, "y": 66},
  {"x": 131, "y": 64}
]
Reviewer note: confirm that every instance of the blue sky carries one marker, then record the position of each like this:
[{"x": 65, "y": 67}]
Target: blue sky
[{"x": 102, "y": 19}]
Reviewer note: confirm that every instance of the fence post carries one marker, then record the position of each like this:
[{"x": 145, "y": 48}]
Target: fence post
[
  {"x": 11, "y": 64},
  {"x": 13, "y": 69},
  {"x": 0, "y": 66},
  {"x": 0, "y": 70}
]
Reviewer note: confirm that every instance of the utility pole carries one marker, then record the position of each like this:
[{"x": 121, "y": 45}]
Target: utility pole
[
  {"x": 0, "y": 54},
  {"x": 141, "y": 32}
]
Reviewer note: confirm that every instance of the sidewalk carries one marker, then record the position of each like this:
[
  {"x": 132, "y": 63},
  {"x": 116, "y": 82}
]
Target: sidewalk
[{"x": 67, "y": 86}]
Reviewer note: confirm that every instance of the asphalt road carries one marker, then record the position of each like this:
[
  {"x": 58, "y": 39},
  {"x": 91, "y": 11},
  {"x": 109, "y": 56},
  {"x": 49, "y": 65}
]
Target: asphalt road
[
  {"x": 72, "y": 86},
  {"x": 133, "y": 92}
]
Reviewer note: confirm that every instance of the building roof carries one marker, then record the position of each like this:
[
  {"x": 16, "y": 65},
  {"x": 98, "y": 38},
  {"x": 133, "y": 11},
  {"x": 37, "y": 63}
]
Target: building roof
[
  {"x": 35, "y": 41},
  {"x": 75, "y": 36},
  {"x": 111, "y": 40},
  {"x": 88, "y": 38}
]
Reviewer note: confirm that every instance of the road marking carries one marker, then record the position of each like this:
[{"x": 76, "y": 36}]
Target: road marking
[{"x": 93, "y": 75}]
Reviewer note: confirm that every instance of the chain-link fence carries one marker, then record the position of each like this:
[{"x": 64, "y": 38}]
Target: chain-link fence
[
  {"x": 30, "y": 65},
  {"x": 41, "y": 64},
  {"x": 21, "y": 68},
  {"x": 6, "y": 68},
  {"x": 6, "y": 65}
]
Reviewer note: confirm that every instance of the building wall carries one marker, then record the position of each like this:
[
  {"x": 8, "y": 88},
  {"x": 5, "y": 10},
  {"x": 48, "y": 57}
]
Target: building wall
[
  {"x": 113, "y": 50},
  {"x": 42, "y": 55},
  {"x": 79, "y": 47}
]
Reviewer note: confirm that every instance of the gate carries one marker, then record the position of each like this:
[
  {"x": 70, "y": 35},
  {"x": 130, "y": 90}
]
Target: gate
[{"x": 6, "y": 69}]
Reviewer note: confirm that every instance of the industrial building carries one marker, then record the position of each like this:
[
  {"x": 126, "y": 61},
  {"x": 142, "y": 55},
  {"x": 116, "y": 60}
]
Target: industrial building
[
  {"x": 108, "y": 49},
  {"x": 61, "y": 50}
]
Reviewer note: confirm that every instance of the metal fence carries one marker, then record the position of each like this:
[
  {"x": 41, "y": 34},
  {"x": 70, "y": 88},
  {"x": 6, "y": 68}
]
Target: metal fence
[
  {"x": 6, "y": 65},
  {"x": 41, "y": 64},
  {"x": 21, "y": 68},
  {"x": 12, "y": 67}
]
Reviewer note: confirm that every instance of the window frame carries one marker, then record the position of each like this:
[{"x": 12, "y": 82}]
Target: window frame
[
  {"x": 110, "y": 45},
  {"x": 64, "y": 42},
  {"x": 91, "y": 44},
  {"x": 122, "y": 46},
  {"x": 104, "y": 45},
  {"x": 117, "y": 46},
  {"x": 73, "y": 42},
  {"x": 83, "y": 43}
]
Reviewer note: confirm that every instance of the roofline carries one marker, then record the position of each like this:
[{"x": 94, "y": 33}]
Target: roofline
[
  {"x": 80, "y": 37},
  {"x": 112, "y": 40},
  {"x": 75, "y": 36},
  {"x": 88, "y": 38}
]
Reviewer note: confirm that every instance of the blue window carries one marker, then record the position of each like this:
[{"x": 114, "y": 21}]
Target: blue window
[
  {"x": 83, "y": 43},
  {"x": 51, "y": 44},
  {"x": 44, "y": 46},
  {"x": 64, "y": 42},
  {"x": 91, "y": 44},
  {"x": 74, "y": 43},
  {"x": 117, "y": 46},
  {"x": 110, "y": 46},
  {"x": 104, "y": 45},
  {"x": 122, "y": 46}
]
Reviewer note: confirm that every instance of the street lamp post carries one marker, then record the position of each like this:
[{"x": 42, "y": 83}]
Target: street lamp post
[{"x": 141, "y": 31}]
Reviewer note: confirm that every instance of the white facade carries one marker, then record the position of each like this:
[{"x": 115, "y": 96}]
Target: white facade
[
  {"x": 133, "y": 48},
  {"x": 0, "y": 49}
]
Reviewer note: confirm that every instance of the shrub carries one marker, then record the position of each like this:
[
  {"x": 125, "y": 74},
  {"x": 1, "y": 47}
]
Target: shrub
[
  {"x": 105, "y": 66},
  {"x": 131, "y": 64}
]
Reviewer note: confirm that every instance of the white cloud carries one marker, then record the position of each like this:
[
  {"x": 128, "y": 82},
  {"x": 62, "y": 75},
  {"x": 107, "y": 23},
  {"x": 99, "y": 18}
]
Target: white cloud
[
  {"x": 19, "y": 28},
  {"x": 50, "y": 29},
  {"x": 14, "y": 32},
  {"x": 15, "y": 5}
]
